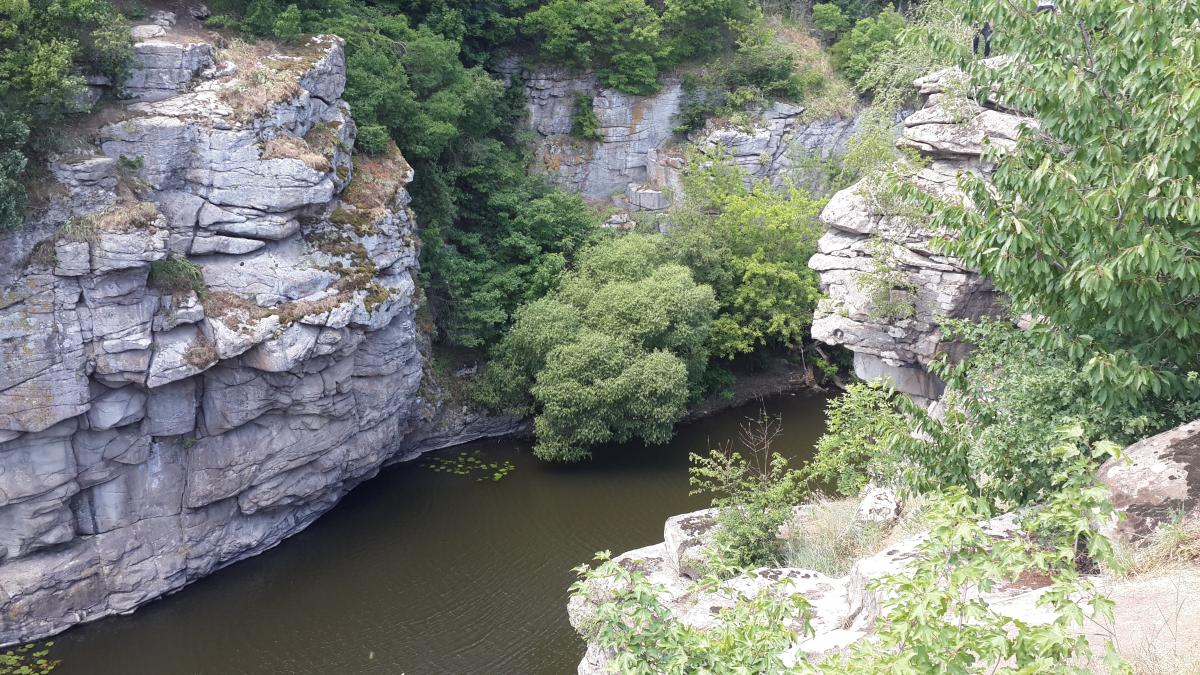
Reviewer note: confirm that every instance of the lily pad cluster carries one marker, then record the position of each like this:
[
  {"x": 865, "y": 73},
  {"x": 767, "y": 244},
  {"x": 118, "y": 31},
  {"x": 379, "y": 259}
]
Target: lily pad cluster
[
  {"x": 30, "y": 659},
  {"x": 471, "y": 464}
]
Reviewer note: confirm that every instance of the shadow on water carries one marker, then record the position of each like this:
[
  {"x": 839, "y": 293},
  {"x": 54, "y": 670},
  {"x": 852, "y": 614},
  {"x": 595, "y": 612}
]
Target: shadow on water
[{"x": 419, "y": 571}]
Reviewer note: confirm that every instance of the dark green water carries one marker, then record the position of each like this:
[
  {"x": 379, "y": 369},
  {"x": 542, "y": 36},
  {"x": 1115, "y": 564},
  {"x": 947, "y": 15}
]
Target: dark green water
[{"x": 420, "y": 572}]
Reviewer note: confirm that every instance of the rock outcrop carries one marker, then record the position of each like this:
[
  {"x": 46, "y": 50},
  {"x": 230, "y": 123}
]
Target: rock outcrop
[
  {"x": 842, "y": 609},
  {"x": 1156, "y": 481},
  {"x": 637, "y": 159},
  {"x": 209, "y": 336},
  {"x": 887, "y": 288}
]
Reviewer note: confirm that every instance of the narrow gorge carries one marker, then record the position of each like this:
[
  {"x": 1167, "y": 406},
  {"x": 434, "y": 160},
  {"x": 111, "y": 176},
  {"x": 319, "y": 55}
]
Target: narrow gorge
[
  {"x": 157, "y": 429},
  {"x": 599, "y": 336}
]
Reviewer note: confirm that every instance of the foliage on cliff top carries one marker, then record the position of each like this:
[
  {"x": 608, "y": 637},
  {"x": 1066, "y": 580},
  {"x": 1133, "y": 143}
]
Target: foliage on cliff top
[
  {"x": 46, "y": 48},
  {"x": 493, "y": 237},
  {"x": 752, "y": 245}
]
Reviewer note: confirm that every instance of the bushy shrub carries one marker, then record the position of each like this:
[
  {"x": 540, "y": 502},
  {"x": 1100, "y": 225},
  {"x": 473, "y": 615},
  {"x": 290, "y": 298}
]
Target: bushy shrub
[
  {"x": 860, "y": 426},
  {"x": 45, "y": 48},
  {"x": 870, "y": 38},
  {"x": 751, "y": 244},
  {"x": 584, "y": 122},
  {"x": 176, "y": 274},
  {"x": 287, "y": 24},
  {"x": 13, "y": 134},
  {"x": 829, "y": 19},
  {"x": 753, "y": 492},
  {"x": 620, "y": 39},
  {"x": 372, "y": 139}
]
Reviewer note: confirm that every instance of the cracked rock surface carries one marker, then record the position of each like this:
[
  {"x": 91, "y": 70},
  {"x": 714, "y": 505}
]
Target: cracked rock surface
[
  {"x": 152, "y": 432},
  {"x": 637, "y": 160},
  {"x": 865, "y": 241}
]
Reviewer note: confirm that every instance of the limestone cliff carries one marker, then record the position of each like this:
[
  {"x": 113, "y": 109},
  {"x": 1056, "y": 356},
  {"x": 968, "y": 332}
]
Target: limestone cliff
[
  {"x": 887, "y": 289},
  {"x": 157, "y": 425},
  {"x": 637, "y": 159}
]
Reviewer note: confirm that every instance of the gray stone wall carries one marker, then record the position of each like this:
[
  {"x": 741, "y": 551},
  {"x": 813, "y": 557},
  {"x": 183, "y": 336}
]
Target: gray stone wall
[
  {"x": 151, "y": 435},
  {"x": 637, "y": 160},
  {"x": 866, "y": 240}
]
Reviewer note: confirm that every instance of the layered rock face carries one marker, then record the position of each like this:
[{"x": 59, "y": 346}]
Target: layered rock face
[
  {"x": 637, "y": 160},
  {"x": 208, "y": 338},
  {"x": 887, "y": 289}
]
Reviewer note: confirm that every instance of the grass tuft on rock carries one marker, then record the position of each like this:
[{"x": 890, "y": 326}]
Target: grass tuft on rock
[{"x": 176, "y": 274}]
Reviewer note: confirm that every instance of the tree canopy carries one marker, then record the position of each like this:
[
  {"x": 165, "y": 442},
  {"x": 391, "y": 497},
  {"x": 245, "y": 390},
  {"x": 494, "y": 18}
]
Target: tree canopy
[
  {"x": 1090, "y": 223},
  {"x": 609, "y": 354}
]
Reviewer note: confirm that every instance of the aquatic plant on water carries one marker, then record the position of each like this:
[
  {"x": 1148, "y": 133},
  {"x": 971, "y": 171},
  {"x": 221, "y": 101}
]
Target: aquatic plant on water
[{"x": 470, "y": 465}]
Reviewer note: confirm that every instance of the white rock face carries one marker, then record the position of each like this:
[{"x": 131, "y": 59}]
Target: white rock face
[
  {"x": 898, "y": 346},
  {"x": 1157, "y": 480},
  {"x": 151, "y": 436},
  {"x": 636, "y": 162}
]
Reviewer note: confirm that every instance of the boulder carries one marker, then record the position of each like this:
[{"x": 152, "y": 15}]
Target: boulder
[
  {"x": 879, "y": 505},
  {"x": 685, "y": 537},
  {"x": 1156, "y": 481}
]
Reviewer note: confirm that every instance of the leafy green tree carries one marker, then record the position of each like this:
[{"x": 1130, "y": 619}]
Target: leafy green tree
[
  {"x": 13, "y": 134},
  {"x": 628, "y": 618},
  {"x": 700, "y": 28},
  {"x": 601, "y": 388},
  {"x": 754, "y": 493},
  {"x": 260, "y": 17},
  {"x": 287, "y": 24},
  {"x": 752, "y": 245},
  {"x": 45, "y": 48},
  {"x": 870, "y": 38},
  {"x": 860, "y": 426},
  {"x": 610, "y": 354},
  {"x": 620, "y": 39},
  {"x": 1090, "y": 222}
]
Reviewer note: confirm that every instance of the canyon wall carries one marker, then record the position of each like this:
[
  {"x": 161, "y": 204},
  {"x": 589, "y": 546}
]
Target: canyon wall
[
  {"x": 209, "y": 334},
  {"x": 637, "y": 159}
]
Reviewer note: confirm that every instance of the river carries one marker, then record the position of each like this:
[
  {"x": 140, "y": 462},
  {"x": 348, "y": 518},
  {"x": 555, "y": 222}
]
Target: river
[{"x": 421, "y": 571}]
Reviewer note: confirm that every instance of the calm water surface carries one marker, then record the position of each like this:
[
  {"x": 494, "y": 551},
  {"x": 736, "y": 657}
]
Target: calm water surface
[{"x": 419, "y": 572}]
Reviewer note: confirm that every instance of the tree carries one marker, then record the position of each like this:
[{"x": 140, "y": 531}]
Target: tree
[
  {"x": 287, "y": 24},
  {"x": 45, "y": 47},
  {"x": 601, "y": 388},
  {"x": 611, "y": 353},
  {"x": 829, "y": 19},
  {"x": 1090, "y": 223},
  {"x": 620, "y": 39},
  {"x": 870, "y": 38},
  {"x": 752, "y": 245},
  {"x": 699, "y": 28}
]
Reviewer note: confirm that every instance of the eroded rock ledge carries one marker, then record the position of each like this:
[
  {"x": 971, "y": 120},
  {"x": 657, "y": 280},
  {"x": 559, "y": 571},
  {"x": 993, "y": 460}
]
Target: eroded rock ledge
[
  {"x": 1155, "y": 483},
  {"x": 892, "y": 329},
  {"x": 151, "y": 434}
]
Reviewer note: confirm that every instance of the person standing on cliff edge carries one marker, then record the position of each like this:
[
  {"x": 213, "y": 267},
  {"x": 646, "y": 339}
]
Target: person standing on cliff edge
[{"x": 985, "y": 32}]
